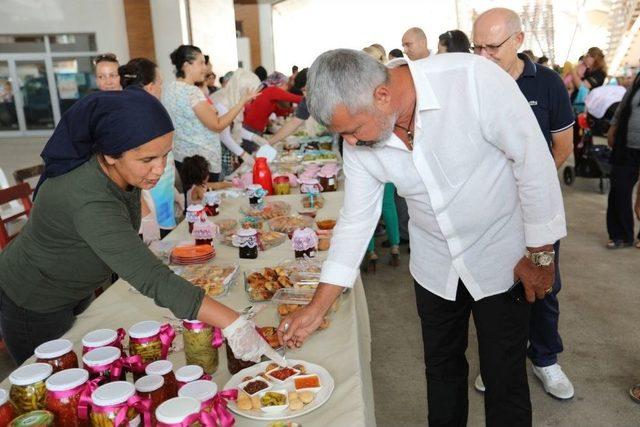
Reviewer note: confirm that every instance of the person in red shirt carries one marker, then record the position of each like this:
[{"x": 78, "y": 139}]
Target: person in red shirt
[{"x": 257, "y": 112}]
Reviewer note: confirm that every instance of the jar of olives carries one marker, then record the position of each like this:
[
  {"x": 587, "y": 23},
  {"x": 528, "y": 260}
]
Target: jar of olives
[
  {"x": 179, "y": 411},
  {"x": 7, "y": 411},
  {"x": 57, "y": 353},
  {"x": 164, "y": 368},
  {"x": 63, "y": 394},
  {"x": 28, "y": 391},
  {"x": 201, "y": 345}
]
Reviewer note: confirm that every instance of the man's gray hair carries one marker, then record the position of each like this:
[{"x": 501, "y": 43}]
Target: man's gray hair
[{"x": 342, "y": 77}]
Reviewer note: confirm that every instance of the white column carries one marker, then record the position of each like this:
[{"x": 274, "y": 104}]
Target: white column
[
  {"x": 266, "y": 38},
  {"x": 169, "y": 32}
]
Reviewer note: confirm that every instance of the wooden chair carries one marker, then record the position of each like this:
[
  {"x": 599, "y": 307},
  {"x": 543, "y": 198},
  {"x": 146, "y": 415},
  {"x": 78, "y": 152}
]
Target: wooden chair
[
  {"x": 21, "y": 192},
  {"x": 22, "y": 175}
]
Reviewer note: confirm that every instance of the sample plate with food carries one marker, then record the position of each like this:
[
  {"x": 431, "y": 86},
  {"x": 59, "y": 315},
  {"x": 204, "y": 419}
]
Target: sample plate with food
[{"x": 267, "y": 391}]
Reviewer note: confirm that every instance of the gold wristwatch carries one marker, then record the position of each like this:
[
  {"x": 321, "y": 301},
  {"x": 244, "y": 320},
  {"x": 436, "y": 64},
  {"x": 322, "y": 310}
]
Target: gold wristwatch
[{"x": 541, "y": 259}]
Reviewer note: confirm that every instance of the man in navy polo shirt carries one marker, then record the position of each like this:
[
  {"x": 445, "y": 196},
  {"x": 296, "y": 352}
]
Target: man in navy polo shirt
[{"x": 497, "y": 35}]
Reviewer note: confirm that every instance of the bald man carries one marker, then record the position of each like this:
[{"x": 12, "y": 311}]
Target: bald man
[
  {"x": 414, "y": 43},
  {"x": 497, "y": 35}
]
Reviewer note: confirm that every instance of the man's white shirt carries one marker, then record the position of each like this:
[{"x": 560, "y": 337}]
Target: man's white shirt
[{"x": 480, "y": 183}]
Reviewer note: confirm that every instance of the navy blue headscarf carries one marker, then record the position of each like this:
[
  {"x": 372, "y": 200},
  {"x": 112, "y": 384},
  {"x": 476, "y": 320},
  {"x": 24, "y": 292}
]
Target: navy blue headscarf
[{"x": 108, "y": 122}]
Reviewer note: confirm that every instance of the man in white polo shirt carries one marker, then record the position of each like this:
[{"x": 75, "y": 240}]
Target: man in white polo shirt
[{"x": 461, "y": 144}]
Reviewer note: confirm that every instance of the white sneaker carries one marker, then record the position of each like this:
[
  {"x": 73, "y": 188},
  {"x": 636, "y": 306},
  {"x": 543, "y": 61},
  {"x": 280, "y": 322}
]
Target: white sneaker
[
  {"x": 554, "y": 381},
  {"x": 479, "y": 385}
]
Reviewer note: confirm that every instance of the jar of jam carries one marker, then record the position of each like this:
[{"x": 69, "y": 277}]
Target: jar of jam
[
  {"x": 146, "y": 340},
  {"x": 204, "y": 231},
  {"x": 310, "y": 186},
  {"x": 188, "y": 374},
  {"x": 108, "y": 400},
  {"x": 235, "y": 364},
  {"x": 304, "y": 242},
  {"x": 192, "y": 214},
  {"x": 57, "y": 353},
  {"x": 202, "y": 390},
  {"x": 256, "y": 195},
  {"x": 329, "y": 183},
  {"x": 63, "y": 394},
  {"x": 102, "y": 338},
  {"x": 99, "y": 363},
  {"x": 199, "y": 350},
  {"x": 212, "y": 203},
  {"x": 151, "y": 387},
  {"x": 179, "y": 411},
  {"x": 33, "y": 418},
  {"x": 246, "y": 239},
  {"x": 164, "y": 368},
  {"x": 28, "y": 391},
  {"x": 7, "y": 411}
]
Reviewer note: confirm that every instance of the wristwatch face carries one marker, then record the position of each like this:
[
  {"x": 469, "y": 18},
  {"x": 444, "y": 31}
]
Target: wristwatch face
[{"x": 543, "y": 258}]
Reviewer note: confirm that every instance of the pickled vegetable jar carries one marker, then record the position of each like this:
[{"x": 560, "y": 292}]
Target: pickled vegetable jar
[
  {"x": 202, "y": 390},
  {"x": 199, "y": 345},
  {"x": 57, "y": 353},
  {"x": 164, "y": 368},
  {"x": 99, "y": 362},
  {"x": 7, "y": 412},
  {"x": 190, "y": 373},
  {"x": 178, "y": 411},
  {"x": 102, "y": 338},
  {"x": 108, "y": 400},
  {"x": 63, "y": 394},
  {"x": 150, "y": 340},
  {"x": 152, "y": 387},
  {"x": 28, "y": 391},
  {"x": 33, "y": 418}
]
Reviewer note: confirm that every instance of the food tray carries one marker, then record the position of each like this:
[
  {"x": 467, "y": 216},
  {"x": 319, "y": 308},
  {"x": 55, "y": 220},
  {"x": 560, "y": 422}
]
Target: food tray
[
  {"x": 262, "y": 283},
  {"x": 270, "y": 210},
  {"x": 288, "y": 224},
  {"x": 216, "y": 280},
  {"x": 268, "y": 239},
  {"x": 290, "y": 300}
]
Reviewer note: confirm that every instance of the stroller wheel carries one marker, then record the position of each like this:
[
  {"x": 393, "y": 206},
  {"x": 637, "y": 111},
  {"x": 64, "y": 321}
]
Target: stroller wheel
[{"x": 569, "y": 175}]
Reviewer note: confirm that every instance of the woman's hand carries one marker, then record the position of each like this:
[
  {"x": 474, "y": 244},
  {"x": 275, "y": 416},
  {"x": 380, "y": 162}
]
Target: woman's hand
[
  {"x": 250, "y": 95},
  {"x": 247, "y": 344}
]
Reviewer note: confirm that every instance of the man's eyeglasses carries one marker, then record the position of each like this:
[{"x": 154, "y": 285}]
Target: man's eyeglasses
[{"x": 490, "y": 48}]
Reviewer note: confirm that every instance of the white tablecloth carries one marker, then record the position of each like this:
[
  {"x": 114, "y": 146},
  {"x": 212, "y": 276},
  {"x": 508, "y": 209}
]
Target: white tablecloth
[{"x": 344, "y": 349}]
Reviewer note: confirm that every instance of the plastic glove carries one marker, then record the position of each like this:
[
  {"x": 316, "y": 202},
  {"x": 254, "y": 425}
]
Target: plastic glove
[
  {"x": 247, "y": 158},
  {"x": 247, "y": 344}
]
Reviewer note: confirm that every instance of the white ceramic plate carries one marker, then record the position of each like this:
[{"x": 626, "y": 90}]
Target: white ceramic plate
[{"x": 321, "y": 396}]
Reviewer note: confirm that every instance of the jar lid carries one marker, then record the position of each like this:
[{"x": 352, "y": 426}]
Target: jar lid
[
  {"x": 145, "y": 329},
  {"x": 175, "y": 410},
  {"x": 33, "y": 418},
  {"x": 159, "y": 367},
  {"x": 113, "y": 393},
  {"x": 202, "y": 390},
  {"x": 99, "y": 338},
  {"x": 195, "y": 323},
  {"x": 149, "y": 383},
  {"x": 254, "y": 187},
  {"x": 189, "y": 373},
  {"x": 308, "y": 181},
  {"x": 53, "y": 349},
  {"x": 67, "y": 379},
  {"x": 246, "y": 232},
  {"x": 4, "y": 396},
  {"x": 30, "y": 374},
  {"x": 101, "y": 356},
  {"x": 195, "y": 208}
]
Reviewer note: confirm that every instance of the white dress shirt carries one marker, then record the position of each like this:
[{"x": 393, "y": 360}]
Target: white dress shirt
[{"x": 480, "y": 183}]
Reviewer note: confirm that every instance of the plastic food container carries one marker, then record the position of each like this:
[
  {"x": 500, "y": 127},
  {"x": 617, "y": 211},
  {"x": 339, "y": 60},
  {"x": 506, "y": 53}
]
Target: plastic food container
[
  {"x": 57, "y": 353},
  {"x": 254, "y": 386},
  {"x": 28, "y": 391},
  {"x": 7, "y": 412},
  {"x": 164, "y": 368},
  {"x": 102, "y": 338},
  {"x": 99, "y": 363},
  {"x": 109, "y": 399},
  {"x": 202, "y": 390},
  {"x": 188, "y": 374},
  {"x": 63, "y": 394},
  {"x": 216, "y": 279},
  {"x": 152, "y": 387},
  {"x": 271, "y": 409},
  {"x": 199, "y": 350},
  {"x": 290, "y": 300},
  {"x": 34, "y": 418},
  {"x": 177, "y": 411}
]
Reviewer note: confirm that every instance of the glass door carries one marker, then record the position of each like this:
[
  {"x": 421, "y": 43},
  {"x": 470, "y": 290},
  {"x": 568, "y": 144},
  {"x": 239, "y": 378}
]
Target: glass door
[
  {"x": 8, "y": 116},
  {"x": 35, "y": 95}
]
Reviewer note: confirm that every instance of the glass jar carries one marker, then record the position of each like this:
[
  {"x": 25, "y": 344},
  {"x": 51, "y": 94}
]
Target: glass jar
[
  {"x": 235, "y": 364},
  {"x": 7, "y": 411},
  {"x": 102, "y": 338},
  {"x": 164, "y": 368},
  {"x": 281, "y": 185},
  {"x": 28, "y": 391},
  {"x": 145, "y": 340},
  {"x": 57, "y": 353},
  {"x": 202, "y": 390},
  {"x": 329, "y": 183},
  {"x": 99, "y": 363},
  {"x": 33, "y": 418},
  {"x": 151, "y": 387},
  {"x": 212, "y": 203},
  {"x": 256, "y": 195},
  {"x": 246, "y": 239},
  {"x": 108, "y": 400},
  {"x": 63, "y": 394},
  {"x": 189, "y": 373},
  {"x": 192, "y": 214},
  {"x": 177, "y": 412},
  {"x": 198, "y": 345}
]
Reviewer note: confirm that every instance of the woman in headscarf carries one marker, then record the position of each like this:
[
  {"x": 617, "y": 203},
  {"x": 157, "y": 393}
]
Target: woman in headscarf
[{"x": 84, "y": 225}]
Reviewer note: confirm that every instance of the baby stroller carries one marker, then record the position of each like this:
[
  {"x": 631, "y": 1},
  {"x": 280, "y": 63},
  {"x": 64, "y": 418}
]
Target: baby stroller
[{"x": 593, "y": 160}]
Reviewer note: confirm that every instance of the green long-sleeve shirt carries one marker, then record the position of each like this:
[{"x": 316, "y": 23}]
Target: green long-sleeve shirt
[{"x": 81, "y": 229}]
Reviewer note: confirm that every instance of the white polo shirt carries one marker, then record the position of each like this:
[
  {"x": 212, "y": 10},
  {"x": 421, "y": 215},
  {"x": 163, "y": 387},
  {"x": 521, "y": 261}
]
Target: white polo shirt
[{"x": 480, "y": 183}]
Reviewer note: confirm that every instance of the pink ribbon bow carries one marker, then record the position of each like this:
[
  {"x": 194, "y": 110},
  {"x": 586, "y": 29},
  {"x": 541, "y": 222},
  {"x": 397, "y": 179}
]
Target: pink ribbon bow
[
  {"x": 131, "y": 363},
  {"x": 167, "y": 334},
  {"x": 219, "y": 415},
  {"x": 85, "y": 397},
  {"x": 142, "y": 406}
]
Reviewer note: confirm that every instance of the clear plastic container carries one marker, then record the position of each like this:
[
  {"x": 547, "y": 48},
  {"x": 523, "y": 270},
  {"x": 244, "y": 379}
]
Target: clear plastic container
[
  {"x": 202, "y": 390},
  {"x": 28, "y": 391},
  {"x": 164, "y": 368},
  {"x": 102, "y": 338},
  {"x": 291, "y": 300},
  {"x": 198, "y": 345},
  {"x": 57, "y": 353},
  {"x": 215, "y": 279},
  {"x": 7, "y": 411},
  {"x": 152, "y": 387},
  {"x": 99, "y": 363},
  {"x": 108, "y": 400},
  {"x": 63, "y": 394},
  {"x": 177, "y": 411}
]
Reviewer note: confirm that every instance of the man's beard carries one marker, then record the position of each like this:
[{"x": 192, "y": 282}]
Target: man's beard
[{"x": 387, "y": 123}]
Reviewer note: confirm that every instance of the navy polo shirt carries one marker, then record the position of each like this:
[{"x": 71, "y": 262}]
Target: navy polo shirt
[{"x": 547, "y": 97}]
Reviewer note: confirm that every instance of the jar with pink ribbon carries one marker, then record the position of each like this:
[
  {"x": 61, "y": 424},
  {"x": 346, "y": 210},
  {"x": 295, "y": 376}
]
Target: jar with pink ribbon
[
  {"x": 178, "y": 412},
  {"x": 116, "y": 404},
  {"x": 151, "y": 341},
  {"x": 190, "y": 373},
  {"x": 7, "y": 411},
  {"x": 214, "y": 404},
  {"x": 164, "y": 368},
  {"x": 65, "y": 390},
  {"x": 201, "y": 343},
  {"x": 151, "y": 387},
  {"x": 103, "y": 338},
  {"x": 57, "y": 353},
  {"x": 101, "y": 363}
]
